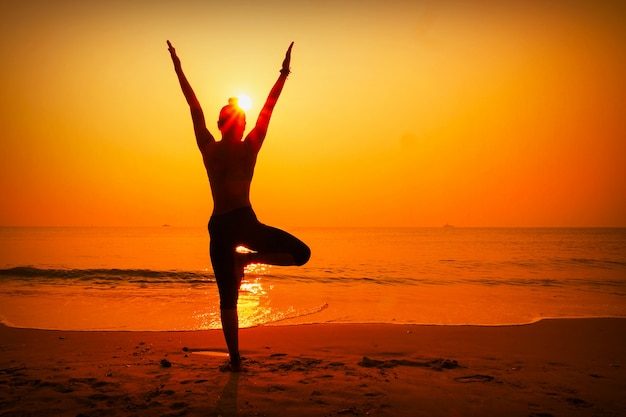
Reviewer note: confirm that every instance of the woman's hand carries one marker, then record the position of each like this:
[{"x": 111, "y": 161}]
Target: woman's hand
[
  {"x": 285, "y": 69},
  {"x": 173, "y": 53}
]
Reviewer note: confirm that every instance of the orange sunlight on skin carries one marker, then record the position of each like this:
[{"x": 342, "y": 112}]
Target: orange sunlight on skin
[{"x": 409, "y": 114}]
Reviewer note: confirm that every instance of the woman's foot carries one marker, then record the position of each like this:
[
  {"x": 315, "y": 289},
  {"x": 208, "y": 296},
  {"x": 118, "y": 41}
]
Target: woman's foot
[
  {"x": 232, "y": 365},
  {"x": 235, "y": 364}
]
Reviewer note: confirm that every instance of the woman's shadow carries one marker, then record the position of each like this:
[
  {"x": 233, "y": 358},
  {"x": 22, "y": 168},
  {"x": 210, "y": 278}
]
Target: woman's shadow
[{"x": 227, "y": 402}]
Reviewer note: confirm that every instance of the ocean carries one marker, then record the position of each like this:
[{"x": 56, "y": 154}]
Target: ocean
[{"x": 160, "y": 278}]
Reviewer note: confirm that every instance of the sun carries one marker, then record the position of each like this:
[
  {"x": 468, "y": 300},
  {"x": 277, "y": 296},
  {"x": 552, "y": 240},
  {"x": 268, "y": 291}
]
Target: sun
[{"x": 245, "y": 102}]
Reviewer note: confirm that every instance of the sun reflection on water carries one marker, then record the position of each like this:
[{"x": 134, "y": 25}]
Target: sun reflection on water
[
  {"x": 252, "y": 287},
  {"x": 258, "y": 269},
  {"x": 256, "y": 305},
  {"x": 254, "y": 302}
]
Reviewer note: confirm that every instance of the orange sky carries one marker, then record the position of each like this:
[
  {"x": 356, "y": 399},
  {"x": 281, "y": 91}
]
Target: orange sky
[{"x": 397, "y": 113}]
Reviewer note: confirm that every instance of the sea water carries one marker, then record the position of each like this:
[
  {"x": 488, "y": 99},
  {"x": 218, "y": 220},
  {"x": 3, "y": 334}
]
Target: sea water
[{"x": 161, "y": 278}]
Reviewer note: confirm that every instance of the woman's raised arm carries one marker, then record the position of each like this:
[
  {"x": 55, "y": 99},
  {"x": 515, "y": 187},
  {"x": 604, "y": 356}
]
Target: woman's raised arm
[
  {"x": 203, "y": 136},
  {"x": 257, "y": 135}
]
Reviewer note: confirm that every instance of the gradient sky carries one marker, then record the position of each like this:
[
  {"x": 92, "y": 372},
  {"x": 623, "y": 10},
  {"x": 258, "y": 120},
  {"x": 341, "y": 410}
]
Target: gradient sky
[{"x": 397, "y": 113}]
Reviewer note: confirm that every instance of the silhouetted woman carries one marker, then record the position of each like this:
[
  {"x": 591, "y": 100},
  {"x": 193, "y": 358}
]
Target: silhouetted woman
[{"x": 230, "y": 163}]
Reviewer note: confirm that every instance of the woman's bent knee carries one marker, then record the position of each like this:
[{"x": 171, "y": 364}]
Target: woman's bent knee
[{"x": 302, "y": 256}]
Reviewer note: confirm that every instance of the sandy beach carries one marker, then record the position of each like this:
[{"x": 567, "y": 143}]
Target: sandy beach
[{"x": 573, "y": 367}]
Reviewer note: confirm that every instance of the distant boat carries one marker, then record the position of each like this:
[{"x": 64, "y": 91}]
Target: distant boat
[
  {"x": 165, "y": 225},
  {"x": 447, "y": 225}
]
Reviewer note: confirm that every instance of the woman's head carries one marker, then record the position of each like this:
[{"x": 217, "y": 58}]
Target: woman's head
[{"x": 232, "y": 120}]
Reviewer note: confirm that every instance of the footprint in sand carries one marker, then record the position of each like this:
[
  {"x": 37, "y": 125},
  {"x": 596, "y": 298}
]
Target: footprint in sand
[
  {"x": 437, "y": 364},
  {"x": 474, "y": 378},
  {"x": 577, "y": 402}
]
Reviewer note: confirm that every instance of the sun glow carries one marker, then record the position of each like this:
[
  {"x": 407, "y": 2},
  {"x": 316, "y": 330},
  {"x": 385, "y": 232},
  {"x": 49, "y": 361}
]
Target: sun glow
[{"x": 245, "y": 102}]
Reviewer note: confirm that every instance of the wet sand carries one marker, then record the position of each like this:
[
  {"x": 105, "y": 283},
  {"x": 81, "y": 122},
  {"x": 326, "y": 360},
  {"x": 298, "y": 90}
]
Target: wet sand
[{"x": 564, "y": 367}]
